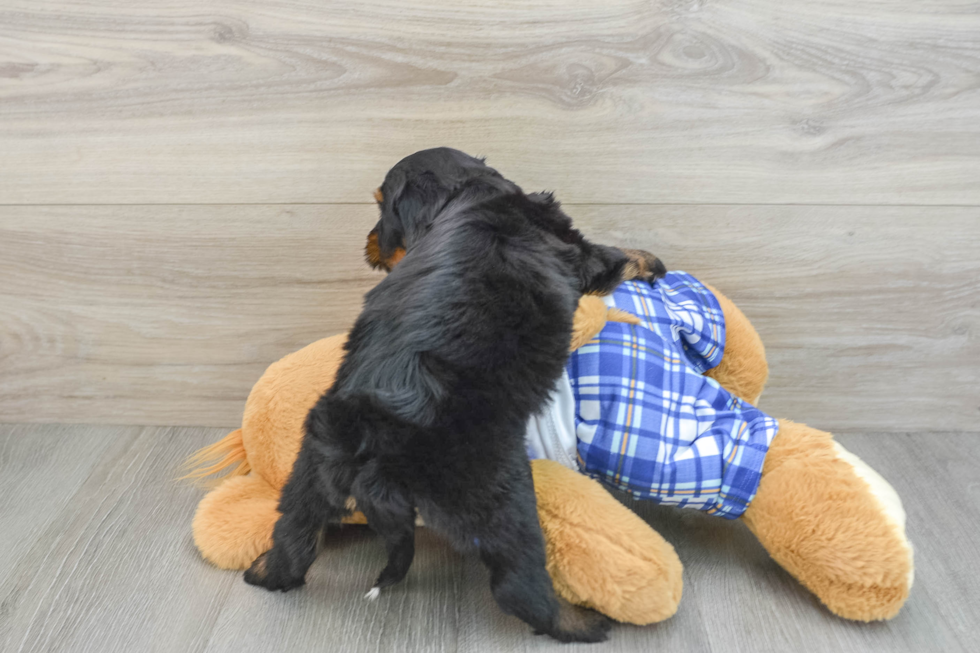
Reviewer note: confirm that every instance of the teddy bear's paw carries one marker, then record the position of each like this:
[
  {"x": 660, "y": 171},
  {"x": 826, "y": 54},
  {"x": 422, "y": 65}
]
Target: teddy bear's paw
[
  {"x": 268, "y": 571},
  {"x": 578, "y": 624}
]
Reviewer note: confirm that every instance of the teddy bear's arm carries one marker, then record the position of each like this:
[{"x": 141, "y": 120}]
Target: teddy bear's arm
[
  {"x": 591, "y": 315},
  {"x": 600, "y": 553},
  {"x": 743, "y": 370}
]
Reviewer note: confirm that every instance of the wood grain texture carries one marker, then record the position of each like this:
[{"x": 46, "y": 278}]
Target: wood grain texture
[
  {"x": 331, "y": 613},
  {"x": 115, "y": 570},
  {"x": 168, "y": 315},
  {"x": 870, "y": 316},
  {"x": 29, "y": 454},
  {"x": 620, "y": 101}
]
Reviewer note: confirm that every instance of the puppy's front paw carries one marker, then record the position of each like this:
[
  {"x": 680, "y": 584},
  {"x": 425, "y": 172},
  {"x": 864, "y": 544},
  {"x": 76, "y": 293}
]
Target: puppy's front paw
[
  {"x": 643, "y": 265},
  {"x": 265, "y": 572}
]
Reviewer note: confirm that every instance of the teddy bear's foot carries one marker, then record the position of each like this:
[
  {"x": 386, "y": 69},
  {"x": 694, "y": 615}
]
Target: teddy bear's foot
[
  {"x": 233, "y": 523},
  {"x": 833, "y": 523}
]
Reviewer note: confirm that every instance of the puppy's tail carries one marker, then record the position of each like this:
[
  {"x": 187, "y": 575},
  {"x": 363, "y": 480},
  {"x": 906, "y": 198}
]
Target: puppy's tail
[{"x": 215, "y": 458}]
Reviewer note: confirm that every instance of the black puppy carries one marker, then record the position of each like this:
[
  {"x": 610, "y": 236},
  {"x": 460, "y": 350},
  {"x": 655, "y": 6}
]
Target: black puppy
[{"x": 454, "y": 350}]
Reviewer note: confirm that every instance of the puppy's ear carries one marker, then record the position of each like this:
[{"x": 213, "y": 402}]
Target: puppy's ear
[
  {"x": 407, "y": 209},
  {"x": 413, "y": 206},
  {"x": 600, "y": 268},
  {"x": 544, "y": 197},
  {"x": 389, "y": 234},
  {"x": 372, "y": 252},
  {"x": 374, "y": 257},
  {"x": 390, "y": 240}
]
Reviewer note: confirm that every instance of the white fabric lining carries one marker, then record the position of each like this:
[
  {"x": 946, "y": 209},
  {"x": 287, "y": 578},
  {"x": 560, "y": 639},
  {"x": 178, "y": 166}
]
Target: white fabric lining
[{"x": 551, "y": 433}]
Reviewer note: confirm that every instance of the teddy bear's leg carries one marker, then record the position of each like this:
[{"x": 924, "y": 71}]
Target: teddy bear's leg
[
  {"x": 600, "y": 554},
  {"x": 833, "y": 523},
  {"x": 233, "y": 523},
  {"x": 743, "y": 369}
]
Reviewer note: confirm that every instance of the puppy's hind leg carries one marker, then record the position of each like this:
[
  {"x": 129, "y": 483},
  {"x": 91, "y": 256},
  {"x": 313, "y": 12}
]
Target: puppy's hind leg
[
  {"x": 513, "y": 548},
  {"x": 390, "y": 512},
  {"x": 314, "y": 495}
]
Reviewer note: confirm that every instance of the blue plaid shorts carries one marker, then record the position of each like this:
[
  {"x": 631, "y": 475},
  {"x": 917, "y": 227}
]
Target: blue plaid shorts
[{"x": 648, "y": 422}]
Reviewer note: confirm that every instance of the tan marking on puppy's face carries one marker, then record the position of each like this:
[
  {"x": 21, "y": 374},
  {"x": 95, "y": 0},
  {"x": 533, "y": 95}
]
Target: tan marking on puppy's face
[
  {"x": 378, "y": 197},
  {"x": 395, "y": 258},
  {"x": 372, "y": 252}
]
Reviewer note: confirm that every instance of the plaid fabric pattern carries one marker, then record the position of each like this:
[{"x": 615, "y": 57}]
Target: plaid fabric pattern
[{"x": 648, "y": 422}]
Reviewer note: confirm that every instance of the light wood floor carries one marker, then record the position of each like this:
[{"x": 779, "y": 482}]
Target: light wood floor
[{"x": 96, "y": 555}]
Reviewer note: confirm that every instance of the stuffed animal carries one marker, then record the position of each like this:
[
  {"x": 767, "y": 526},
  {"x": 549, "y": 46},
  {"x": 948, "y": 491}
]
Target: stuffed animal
[{"x": 657, "y": 401}]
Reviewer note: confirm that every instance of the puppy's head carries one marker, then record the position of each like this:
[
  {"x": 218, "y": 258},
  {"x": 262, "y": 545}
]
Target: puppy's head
[{"x": 412, "y": 194}]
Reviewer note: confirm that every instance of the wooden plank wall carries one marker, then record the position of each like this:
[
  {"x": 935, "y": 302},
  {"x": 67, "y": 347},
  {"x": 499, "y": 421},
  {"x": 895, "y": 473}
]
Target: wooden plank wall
[{"x": 185, "y": 187}]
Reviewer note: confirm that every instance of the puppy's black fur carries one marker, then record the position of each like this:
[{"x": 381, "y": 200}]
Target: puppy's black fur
[{"x": 454, "y": 350}]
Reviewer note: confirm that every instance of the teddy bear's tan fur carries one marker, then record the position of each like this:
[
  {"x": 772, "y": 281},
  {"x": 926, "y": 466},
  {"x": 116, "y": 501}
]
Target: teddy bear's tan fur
[{"x": 819, "y": 511}]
